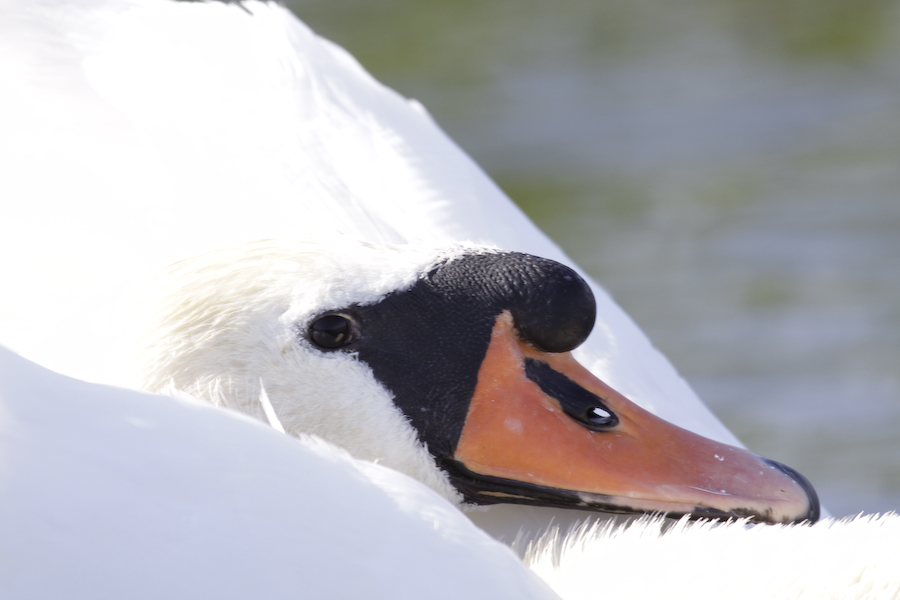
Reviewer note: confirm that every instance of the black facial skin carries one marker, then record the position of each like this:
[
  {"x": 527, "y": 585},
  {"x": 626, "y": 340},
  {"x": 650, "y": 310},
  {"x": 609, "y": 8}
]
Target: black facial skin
[{"x": 426, "y": 344}]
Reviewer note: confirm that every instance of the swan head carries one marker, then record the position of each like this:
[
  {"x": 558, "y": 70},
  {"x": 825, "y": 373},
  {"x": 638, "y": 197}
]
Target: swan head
[{"x": 451, "y": 364}]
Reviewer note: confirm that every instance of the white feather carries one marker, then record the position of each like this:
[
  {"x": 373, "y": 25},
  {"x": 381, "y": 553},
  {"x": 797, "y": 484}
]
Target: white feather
[
  {"x": 122, "y": 153},
  {"x": 255, "y": 128},
  {"x": 271, "y": 416},
  {"x": 111, "y": 493},
  {"x": 856, "y": 558}
]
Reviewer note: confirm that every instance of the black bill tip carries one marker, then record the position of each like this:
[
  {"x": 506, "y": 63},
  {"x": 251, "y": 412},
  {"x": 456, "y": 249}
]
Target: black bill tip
[{"x": 814, "y": 512}]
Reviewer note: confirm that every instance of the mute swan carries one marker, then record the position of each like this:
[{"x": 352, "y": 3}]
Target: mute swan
[{"x": 132, "y": 130}]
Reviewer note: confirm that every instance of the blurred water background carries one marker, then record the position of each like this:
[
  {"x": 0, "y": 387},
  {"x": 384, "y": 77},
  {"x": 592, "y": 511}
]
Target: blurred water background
[{"x": 728, "y": 169}]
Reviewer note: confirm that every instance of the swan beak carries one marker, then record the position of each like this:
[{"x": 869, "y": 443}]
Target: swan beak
[{"x": 523, "y": 442}]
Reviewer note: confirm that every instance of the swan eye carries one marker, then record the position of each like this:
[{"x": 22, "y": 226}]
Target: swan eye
[{"x": 333, "y": 331}]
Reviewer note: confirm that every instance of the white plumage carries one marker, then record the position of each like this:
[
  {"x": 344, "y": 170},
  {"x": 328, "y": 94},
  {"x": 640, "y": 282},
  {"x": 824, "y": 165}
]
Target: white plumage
[
  {"x": 848, "y": 559},
  {"x": 223, "y": 327},
  {"x": 113, "y": 493},
  {"x": 126, "y": 154},
  {"x": 138, "y": 133}
]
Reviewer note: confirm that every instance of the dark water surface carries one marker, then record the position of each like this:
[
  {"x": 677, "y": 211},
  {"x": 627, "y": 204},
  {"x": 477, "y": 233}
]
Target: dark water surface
[{"x": 728, "y": 169}]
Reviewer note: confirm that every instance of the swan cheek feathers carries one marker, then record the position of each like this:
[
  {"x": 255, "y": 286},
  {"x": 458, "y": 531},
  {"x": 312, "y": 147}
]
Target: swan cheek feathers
[
  {"x": 222, "y": 324},
  {"x": 352, "y": 409}
]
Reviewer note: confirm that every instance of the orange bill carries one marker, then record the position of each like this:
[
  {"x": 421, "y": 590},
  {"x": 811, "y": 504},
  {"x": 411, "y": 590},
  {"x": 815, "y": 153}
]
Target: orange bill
[{"x": 522, "y": 444}]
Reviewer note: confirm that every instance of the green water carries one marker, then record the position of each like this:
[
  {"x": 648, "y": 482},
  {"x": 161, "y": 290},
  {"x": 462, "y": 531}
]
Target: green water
[{"x": 728, "y": 169}]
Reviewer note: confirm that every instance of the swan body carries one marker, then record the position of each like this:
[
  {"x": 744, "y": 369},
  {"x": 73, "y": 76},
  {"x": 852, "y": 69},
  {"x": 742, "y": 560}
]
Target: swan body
[
  {"x": 103, "y": 124},
  {"x": 852, "y": 558},
  {"x": 112, "y": 493},
  {"x": 126, "y": 494}
]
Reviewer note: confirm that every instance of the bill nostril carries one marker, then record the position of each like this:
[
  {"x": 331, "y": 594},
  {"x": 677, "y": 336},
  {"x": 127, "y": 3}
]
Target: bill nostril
[{"x": 580, "y": 404}]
